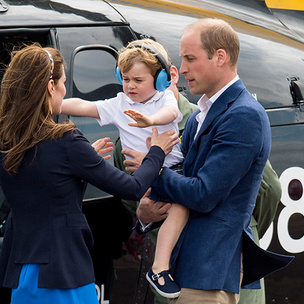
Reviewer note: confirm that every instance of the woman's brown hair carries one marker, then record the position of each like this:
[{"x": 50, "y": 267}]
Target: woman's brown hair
[{"x": 25, "y": 116}]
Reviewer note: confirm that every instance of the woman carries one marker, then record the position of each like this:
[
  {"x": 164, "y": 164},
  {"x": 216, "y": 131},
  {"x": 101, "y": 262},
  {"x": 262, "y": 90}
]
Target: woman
[{"x": 44, "y": 169}]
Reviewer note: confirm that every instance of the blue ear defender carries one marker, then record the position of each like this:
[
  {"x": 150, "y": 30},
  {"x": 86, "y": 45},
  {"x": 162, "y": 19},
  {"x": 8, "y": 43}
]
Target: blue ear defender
[
  {"x": 162, "y": 79},
  {"x": 118, "y": 75},
  {"x": 161, "y": 82}
]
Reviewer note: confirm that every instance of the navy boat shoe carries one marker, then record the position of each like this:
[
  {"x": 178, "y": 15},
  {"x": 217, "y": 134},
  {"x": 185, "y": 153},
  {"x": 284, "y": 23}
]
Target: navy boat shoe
[{"x": 169, "y": 290}]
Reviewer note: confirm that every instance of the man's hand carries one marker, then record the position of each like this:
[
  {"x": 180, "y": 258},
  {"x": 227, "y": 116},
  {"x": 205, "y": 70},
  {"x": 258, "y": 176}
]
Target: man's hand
[
  {"x": 132, "y": 164},
  {"x": 103, "y": 146},
  {"x": 135, "y": 161},
  {"x": 150, "y": 211}
]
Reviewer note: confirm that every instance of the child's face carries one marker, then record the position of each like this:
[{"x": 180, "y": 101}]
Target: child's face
[{"x": 138, "y": 83}]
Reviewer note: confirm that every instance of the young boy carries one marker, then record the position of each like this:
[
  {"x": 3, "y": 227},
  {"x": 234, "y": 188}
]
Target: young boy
[{"x": 144, "y": 72}]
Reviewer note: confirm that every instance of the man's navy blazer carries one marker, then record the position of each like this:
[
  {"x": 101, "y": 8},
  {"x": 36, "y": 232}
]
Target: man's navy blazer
[
  {"x": 47, "y": 225},
  {"x": 222, "y": 173}
]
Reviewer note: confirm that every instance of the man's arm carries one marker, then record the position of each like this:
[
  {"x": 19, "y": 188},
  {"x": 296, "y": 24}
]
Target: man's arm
[
  {"x": 79, "y": 107},
  {"x": 133, "y": 163},
  {"x": 232, "y": 144},
  {"x": 267, "y": 200}
]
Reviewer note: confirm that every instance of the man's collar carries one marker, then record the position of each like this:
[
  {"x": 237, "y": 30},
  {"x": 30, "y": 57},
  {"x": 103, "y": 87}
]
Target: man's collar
[{"x": 204, "y": 101}]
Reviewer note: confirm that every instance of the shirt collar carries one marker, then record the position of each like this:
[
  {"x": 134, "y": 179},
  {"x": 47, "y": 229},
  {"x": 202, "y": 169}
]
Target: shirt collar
[
  {"x": 204, "y": 103},
  {"x": 155, "y": 97}
]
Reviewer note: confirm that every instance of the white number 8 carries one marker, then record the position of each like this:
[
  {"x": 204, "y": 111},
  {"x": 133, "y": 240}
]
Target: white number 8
[{"x": 291, "y": 207}]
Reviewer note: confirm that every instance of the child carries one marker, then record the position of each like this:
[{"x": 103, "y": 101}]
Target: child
[{"x": 144, "y": 73}]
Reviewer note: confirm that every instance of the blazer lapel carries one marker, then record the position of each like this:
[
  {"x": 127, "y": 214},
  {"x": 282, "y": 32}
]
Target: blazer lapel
[{"x": 219, "y": 106}]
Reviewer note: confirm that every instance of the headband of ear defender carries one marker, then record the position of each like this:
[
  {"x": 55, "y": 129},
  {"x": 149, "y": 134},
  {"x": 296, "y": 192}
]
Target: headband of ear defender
[{"x": 162, "y": 79}]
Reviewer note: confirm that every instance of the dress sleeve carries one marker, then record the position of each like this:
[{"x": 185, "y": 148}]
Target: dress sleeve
[{"x": 86, "y": 164}]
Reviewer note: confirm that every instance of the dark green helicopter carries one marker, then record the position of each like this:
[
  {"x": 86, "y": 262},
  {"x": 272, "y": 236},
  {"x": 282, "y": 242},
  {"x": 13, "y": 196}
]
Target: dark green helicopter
[{"x": 271, "y": 64}]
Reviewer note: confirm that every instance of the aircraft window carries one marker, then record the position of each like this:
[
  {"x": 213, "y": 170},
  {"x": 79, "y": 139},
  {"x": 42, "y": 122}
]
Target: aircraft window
[
  {"x": 14, "y": 40},
  {"x": 3, "y": 6},
  {"x": 93, "y": 77}
]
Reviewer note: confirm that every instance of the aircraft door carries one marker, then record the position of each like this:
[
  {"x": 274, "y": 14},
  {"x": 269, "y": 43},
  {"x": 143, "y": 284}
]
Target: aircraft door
[{"x": 92, "y": 76}]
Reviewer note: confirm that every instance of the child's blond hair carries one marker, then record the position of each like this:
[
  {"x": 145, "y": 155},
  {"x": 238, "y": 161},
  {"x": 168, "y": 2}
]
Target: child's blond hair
[{"x": 136, "y": 52}]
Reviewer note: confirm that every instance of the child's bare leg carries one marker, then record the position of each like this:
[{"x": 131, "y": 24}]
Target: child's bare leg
[{"x": 167, "y": 238}]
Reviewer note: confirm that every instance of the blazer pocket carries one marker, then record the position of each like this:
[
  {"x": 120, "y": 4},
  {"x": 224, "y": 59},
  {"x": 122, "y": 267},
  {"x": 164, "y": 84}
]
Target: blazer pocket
[{"x": 80, "y": 231}]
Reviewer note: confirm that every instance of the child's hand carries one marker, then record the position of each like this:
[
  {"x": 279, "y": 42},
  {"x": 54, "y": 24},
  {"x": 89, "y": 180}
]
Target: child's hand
[{"x": 142, "y": 121}]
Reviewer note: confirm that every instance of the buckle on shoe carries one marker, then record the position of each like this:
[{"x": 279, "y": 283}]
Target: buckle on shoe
[{"x": 155, "y": 276}]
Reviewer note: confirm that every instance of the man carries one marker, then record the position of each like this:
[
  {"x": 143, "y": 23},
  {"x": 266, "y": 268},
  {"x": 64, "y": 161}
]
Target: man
[{"x": 226, "y": 144}]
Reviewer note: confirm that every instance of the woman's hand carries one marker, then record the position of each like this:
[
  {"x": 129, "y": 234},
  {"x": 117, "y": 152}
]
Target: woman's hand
[
  {"x": 166, "y": 140},
  {"x": 103, "y": 146}
]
